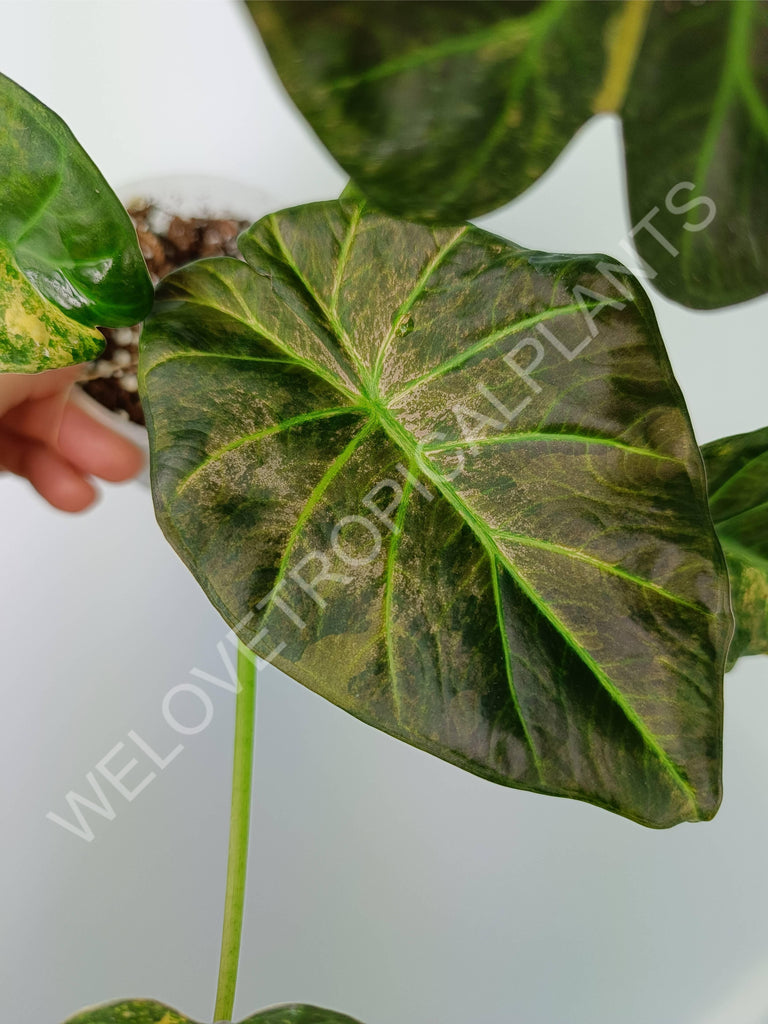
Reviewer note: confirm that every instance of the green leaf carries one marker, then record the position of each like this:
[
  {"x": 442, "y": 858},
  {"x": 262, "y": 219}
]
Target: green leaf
[
  {"x": 696, "y": 141},
  {"x": 737, "y": 473},
  {"x": 450, "y": 485},
  {"x": 440, "y": 111},
  {"x": 69, "y": 257},
  {"x": 146, "y": 1011},
  {"x": 445, "y": 111}
]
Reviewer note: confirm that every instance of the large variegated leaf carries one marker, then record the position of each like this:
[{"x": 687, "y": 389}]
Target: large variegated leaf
[
  {"x": 146, "y": 1011},
  {"x": 443, "y": 111},
  {"x": 450, "y": 485},
  {"x": 737, "y": 473},
  {"x": 69, "y": 258}
]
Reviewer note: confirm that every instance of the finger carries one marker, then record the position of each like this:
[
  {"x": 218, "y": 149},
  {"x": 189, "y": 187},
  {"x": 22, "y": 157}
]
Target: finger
[
  {"x": 17, "y": 388},
  {"x": 38, "y": 418},
  {"x": 94, "y": 448},
  {"x": 50, "y": 474}
]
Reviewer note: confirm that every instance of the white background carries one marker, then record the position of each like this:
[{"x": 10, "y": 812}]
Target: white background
[{"x": 384, "y": 883}]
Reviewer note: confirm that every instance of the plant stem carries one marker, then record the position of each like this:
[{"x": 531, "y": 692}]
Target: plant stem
[{"x": 239, "y": 829}]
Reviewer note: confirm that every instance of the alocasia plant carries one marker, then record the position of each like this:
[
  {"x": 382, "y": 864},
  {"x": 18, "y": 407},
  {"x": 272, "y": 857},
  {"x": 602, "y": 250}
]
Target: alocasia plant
[
  {"x": 446, "y": 482},
  {"x": 69, "y": 258},
  {"x": 443, "y": 111}
]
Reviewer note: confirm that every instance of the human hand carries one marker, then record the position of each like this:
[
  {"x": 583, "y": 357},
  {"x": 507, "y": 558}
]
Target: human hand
[{"x": 52, "y": 442}]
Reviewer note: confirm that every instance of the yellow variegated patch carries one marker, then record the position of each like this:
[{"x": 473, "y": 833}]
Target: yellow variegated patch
[{"x": 34, "y": 334}]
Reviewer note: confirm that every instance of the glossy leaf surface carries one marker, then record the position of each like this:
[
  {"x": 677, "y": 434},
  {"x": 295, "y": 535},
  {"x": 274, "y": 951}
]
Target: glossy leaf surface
[
  {"x": 450, "y": 485},
  {"x": 446, "y": 110},
  {"x": 146, "y": 1011},
  {"x": 737, "y": 472},
  {"x": 69, "y": 257}
]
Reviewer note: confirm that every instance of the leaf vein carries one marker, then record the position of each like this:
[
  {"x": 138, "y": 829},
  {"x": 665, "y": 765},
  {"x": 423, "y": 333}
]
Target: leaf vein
[
  {"x": 508, "y": 665},
  {"x": 389, "y": 592},
  {"x": 554, "y": 437},
  {"x": 277, "y": 428},
  {"x": 415, "y": 294},
  {"x": 333, "y": 321},
  {"x": 307, "y": 364},
  {"x": 599, "y": 563},
  {"x": 491, "y": 339},
  {"x": 311, "y": 503},
  {"x": 344, "y": 252}
]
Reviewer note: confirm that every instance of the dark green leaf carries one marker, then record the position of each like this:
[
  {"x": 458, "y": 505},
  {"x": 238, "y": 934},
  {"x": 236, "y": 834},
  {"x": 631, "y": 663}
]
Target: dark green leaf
[
  {"x": 696, "y": 140},
  {"x": 737, "y": 473},
  {"x": 443, "y": 111},
  {"x": 146, "y": 1011},
  {"x": 514, "y": 571},
  {"x": 440, "y": 110},
  {"x": 69, "y": 258}
]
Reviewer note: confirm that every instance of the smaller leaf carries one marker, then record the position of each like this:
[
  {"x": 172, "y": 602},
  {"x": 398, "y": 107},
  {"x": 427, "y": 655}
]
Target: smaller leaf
[
  {"x": 737, "y": 480},
  {"x": 146, "y": 1011},
  {"x": 69, "y": 257}
]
